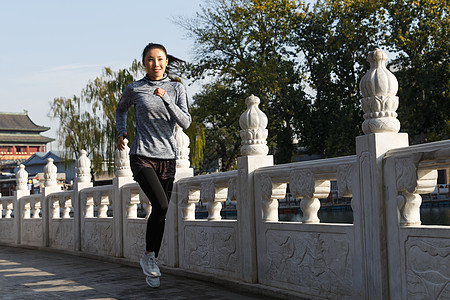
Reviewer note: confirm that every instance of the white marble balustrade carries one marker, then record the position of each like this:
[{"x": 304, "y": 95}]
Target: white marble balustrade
[
  {"x": 292, "y": 250},
  {"x": 8, "y": 230},
  {"x": 208, "y": 245},
  {"x": 134, "y": 224},
  {"x": 385, "y": 254},
  {"x": 32, "y": 225},
  {"x": 61, "y": 220},
  {"x": 98, "y": 230},
  {"x": 211, "y": 190}
]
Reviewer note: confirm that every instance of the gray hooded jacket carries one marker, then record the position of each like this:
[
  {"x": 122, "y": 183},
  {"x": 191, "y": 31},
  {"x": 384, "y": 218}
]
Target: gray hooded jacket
[{"x": 155, "y": 117}]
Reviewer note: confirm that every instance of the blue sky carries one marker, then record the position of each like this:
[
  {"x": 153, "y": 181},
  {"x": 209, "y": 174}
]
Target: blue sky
[{"x": 52, "y": 49}]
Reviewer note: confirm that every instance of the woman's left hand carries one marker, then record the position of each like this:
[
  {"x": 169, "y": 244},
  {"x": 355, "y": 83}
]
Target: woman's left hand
[{"x": 159, "y": 92}]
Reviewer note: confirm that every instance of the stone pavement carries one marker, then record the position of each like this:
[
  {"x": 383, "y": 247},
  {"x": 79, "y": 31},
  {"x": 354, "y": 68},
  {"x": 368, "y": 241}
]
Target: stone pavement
[{"x": 38, "y": 274}]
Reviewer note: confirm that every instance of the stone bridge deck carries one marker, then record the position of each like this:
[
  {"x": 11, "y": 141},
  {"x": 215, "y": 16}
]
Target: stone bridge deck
[{"x": 38, "y": 274}]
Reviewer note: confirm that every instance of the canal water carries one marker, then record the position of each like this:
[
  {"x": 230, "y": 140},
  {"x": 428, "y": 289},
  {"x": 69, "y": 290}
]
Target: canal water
[{"x": 428, "y": 215}]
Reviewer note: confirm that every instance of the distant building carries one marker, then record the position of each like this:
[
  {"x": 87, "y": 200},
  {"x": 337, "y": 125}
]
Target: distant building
[
  {"x": 34, "y": 165},
  {"x": 19, "y": 139}
]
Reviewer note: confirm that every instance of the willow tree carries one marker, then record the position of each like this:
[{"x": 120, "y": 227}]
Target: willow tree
[
  {"x": 88, "y": 122},
  {"x": 78, "y": 129}
]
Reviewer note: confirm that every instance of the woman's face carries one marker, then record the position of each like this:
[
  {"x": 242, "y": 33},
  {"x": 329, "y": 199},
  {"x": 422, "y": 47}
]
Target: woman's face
[{"x": 155, "y": 62}]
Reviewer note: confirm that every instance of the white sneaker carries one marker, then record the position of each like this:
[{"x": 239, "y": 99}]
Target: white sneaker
[
  {"x": 149, "y": 265},
  {"x": 153, "y": 282}
]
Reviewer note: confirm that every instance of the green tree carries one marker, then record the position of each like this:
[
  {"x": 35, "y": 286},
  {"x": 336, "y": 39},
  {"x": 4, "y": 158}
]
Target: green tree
[
  {"x": 216, "y": 107},
  {"x": 242, "y": 46},
  {"x": 419, "y": 33},
  {"x": 334, "y": 38}
]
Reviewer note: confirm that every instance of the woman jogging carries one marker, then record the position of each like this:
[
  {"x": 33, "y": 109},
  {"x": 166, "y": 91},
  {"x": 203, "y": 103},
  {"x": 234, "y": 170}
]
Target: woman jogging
[{"x": 160, "y": 104}]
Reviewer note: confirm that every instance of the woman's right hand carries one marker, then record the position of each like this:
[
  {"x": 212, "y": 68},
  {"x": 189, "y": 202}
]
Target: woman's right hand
[{"x": 120, "y": 142}]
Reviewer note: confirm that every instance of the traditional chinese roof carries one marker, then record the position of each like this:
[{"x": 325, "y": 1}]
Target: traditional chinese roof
[
  {"x": 24, "y": 139},
  {"x": 19, "y": 122},
  {"x": 18, "y": 129}
]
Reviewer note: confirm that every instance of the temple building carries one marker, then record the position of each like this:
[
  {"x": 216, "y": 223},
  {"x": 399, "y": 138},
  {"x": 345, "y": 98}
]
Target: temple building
[{"x": 20, "y": 138}]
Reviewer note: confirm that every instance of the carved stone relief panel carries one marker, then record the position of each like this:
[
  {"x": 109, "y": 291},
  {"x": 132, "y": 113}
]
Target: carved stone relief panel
[
  {"x": 134, "y": 239},
  {"x": 32, "y": 232},
  {"x": 318, "y": 264},
  {"x": 210, "y": 249},
  {"x": 427, "y": 268},
  {"x": 98, "y": 238},
  {"x": 7, "y": 230},
  {"x": 62, "y": 234}
]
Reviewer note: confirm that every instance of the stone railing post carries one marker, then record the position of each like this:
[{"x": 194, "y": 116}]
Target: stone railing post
[
  {"x": 412, "y": 182},
  {"x": 123, "y": 176},
  {"x": 379, "y": 103},
  {"x": 188, "y": 199},
  {"x": 303, "y": 185},
  {"x": 254, "y": 152},
  {"x": 271, "y": 192},
  {"x": 50, "y": 182},
  {"x": 182, "y": 148},
  {"x": 50, "y": 186},
  {"x": 21, "y": 191},
  {"x": 82, "y": 181},
  {"x": 174, "y": 213},
  {"x": 213, "y": 197}
]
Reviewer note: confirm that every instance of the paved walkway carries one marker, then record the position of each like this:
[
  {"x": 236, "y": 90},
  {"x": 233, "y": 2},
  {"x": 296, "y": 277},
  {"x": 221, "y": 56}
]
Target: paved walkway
[{"x": 36, "y": 274}]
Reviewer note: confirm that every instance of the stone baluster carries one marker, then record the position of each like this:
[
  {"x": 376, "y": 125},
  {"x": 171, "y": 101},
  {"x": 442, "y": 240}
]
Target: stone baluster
[
  {"x": 89, "y": 208},
  {"x": 36, "y": 209},
  {"x": 55, "y": 209},
  {"x": 253, "y": 132},
  {"x": 303, "y": 185},
  {"x": 271, "y": 192},
  {"x": 83, "y": 167},
  {"x": 412, "y": 182},
  {"x": 22, "y": 179},
  {"x": 66, "y": 205},
  {"x": 9, "y": 209},
  {"x": 188, "y": 199},
  {"x": 27, "y": 210},
  {"x": 379, "y": 88},
  {"x": 103, "y": 206},
  {"x": 122, "y": 161},
  {"x": 213, "y": 197},
  {"x": 182, "y": 148},
  {"x": 50, "y": 171},
  {"x": 132, "y": 205}
]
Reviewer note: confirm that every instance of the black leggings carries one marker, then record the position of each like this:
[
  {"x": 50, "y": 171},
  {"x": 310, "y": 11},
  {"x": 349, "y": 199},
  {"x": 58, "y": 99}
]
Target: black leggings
[{"x": 158, "y": 191}]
